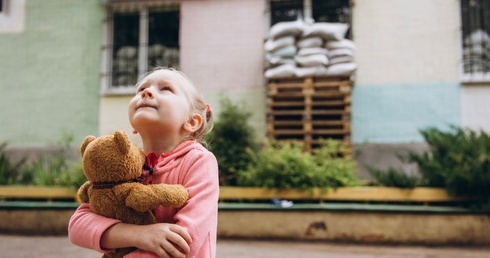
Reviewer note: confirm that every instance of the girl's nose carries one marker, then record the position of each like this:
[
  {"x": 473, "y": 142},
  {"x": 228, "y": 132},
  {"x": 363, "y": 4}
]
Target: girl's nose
[{"x": 146, "y": 93}]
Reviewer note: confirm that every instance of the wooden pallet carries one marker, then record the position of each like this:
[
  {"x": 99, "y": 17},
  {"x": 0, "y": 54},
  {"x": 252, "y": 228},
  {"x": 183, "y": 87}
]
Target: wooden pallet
[{"x": 309, "y": 109}]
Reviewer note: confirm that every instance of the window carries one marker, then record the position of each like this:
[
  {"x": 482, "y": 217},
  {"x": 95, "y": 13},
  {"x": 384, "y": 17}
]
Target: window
[
  {"x": 319, "y": 10},
  {"x": 12, "y": 16},
  {"x": 286, "y": 11},
  {"x": 139, "y": 37},
  {"x": 475, "y": 17}
]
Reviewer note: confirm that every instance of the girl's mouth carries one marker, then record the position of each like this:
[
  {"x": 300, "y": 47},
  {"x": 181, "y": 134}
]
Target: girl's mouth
[{"x": 146, "y": 106}]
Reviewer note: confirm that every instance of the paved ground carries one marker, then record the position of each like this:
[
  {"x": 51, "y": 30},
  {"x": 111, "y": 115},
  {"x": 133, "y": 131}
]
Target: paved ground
[{"x": 60, "y": 247}]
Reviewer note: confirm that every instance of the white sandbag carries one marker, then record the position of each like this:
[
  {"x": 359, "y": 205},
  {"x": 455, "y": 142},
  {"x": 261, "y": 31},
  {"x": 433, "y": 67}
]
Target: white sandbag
[
  {"x": 280, "y": 29},
  {"x": 326, "y": 30},
  {"x": 344, "y": 43},
  {"x": 340, "y": 59},
  {"x": 287, "y": 51},
  {"x": 121, "y": 65},
  {"x": 127, "y": 52},
  {"x": 477, "y": 37},
  {"x": 311, "y": 71},
  {"x": 310, "y": 42},
  {"x": 283, "y": 71},
  {"x": 311, "y": 60},
  {"x": 342, "y": 69},
  {"x": 171, "y": 56},
  {"x": 278, "y": 60},
  {"x": 155, "y": 51},
  {"x": 273, "y": 44},
  {"x": 340, "y": 52},
  {"x": 312, "y": 51}
]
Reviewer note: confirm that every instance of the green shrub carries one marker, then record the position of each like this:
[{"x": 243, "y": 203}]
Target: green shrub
[
  {"x": 284, "y": 165},
  {"x": 52, "y": 169},
  {"x": 393, "y": 178},
  {"x": 459, "y": 161},
  {"x": 9, "y": 170},
  {"x": 229, "y": 139}
]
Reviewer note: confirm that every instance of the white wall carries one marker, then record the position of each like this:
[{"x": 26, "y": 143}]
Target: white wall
[
  {"x": 222, "y": 52},
  {"x": 221, "y": 46},
  {"x": 475, "y": 107},
  {"x": 406, "y": 41}
]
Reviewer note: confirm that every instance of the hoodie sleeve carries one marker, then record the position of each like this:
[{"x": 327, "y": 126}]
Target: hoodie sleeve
[
  {"x": 86, "y": 228},
  {"x": 200, "y": 214}
]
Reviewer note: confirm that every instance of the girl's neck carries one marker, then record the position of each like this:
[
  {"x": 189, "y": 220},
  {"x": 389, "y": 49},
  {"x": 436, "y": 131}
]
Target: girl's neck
[{"x": 160, "y": 145}]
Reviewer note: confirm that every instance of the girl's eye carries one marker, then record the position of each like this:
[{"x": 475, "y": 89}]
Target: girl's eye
[{"x": 166, "y": 88}]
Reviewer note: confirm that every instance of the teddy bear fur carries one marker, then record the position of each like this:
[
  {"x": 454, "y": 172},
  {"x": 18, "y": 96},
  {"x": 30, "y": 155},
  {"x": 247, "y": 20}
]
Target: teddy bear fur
[{"x": 113, "y": 166}]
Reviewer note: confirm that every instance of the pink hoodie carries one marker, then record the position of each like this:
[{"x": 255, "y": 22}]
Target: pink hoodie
[{"x": 191, "y": 165}]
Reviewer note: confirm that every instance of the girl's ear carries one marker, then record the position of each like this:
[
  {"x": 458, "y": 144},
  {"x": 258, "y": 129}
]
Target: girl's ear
[{"x": 193, "y": 124}]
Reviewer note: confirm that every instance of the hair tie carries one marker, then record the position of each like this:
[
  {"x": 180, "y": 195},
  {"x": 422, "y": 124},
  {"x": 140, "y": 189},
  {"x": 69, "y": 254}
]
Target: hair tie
[{"x": 208, "y": 108}]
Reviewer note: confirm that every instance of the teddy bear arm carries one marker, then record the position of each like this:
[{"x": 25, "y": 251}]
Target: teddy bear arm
[
  {"x": 148, "y": 197},
  {"x": 83, "y": 192}
]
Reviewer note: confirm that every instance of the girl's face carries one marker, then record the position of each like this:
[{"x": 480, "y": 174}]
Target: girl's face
[{"x": 160, "y": 104}]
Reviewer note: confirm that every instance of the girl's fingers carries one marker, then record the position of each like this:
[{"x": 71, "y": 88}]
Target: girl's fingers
[
  {"x": 182, "y": 232},
  {"x": 170, "y": 249},
  {"x": 179, "y": 242}
]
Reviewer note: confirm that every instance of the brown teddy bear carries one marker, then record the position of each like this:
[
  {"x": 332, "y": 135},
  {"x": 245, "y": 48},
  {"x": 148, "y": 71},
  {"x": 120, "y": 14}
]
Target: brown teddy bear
[{"x": 113, "y": 166}]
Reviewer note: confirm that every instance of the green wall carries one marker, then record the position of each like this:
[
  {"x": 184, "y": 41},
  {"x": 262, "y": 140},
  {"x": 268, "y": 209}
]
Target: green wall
[{"x": 50, "y": 72}]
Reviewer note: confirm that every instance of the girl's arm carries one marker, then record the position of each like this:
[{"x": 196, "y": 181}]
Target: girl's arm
[
  {"x": 200, "y": 214},
  {"x": 85, "y": 228},
  {"x": 89, "y": 230}
]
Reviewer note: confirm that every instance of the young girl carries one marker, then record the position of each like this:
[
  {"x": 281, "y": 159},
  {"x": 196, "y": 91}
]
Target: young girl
[{"x": 171, "y": 117}]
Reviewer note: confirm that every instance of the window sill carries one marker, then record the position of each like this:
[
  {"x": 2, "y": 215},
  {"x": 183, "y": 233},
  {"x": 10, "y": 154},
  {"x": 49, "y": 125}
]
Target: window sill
[
  {"x": 475, "y": 78},
  {"x": 119, "y": 91}
]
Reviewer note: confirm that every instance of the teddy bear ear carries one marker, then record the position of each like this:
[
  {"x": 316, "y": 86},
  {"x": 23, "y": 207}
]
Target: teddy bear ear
[
  {"x": 122, "y": 140},
  {"x": 85, "y": 142}
]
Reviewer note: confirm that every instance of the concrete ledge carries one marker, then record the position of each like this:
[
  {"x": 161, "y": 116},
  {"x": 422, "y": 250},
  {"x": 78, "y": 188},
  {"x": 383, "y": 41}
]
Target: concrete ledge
[
  {"x": 334, "y": 222},
  {"x": 426, "y": 226},
  {"x": 38, "y": 218},
  {"x": 346, "y": 207}
]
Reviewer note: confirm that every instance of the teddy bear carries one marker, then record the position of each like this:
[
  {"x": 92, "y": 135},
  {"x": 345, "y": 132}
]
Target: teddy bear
[{"x": 113, "y": 166}]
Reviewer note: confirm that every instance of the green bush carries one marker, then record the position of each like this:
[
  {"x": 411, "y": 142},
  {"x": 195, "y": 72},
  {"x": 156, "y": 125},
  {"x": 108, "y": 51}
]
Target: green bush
[
  {"x": 393, "y": 178},
  {"x": 52, "y": 169},
  {"x": 459, "y": 161},
  {"x": 229, "y": 139},
  {"x": 9, "y": 170},
  {"x": 284, "y": 165}
]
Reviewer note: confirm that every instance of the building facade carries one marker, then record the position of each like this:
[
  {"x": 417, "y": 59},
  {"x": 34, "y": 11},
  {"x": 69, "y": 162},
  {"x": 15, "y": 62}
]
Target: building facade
[{"x": 70, "y": 65}]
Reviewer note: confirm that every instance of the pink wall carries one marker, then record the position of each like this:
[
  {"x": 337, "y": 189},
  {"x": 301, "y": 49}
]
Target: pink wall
[{"x": 221, "y": 43}]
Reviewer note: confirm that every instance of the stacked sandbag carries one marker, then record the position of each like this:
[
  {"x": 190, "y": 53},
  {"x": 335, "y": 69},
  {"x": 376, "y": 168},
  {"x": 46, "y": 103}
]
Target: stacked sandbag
[
  {"x": 160, "y": 55},
  {"x": 321, "y": 50},
  {"x": 281, "y": 49},
  {"x": 125, "y": 66},
  {"x": 476, "y": 45}
]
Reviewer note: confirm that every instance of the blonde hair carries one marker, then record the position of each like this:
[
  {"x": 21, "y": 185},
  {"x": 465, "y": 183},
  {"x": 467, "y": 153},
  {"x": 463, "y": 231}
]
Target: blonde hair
[{"x": 197, "y": 103}]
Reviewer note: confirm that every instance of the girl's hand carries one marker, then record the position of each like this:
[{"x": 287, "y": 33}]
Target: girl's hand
[{"x": 165, "y": 240}]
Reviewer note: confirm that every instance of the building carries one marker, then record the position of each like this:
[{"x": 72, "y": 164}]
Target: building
[{"x": 69, "y": 66}]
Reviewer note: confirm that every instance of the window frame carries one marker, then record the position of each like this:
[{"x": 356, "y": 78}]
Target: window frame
[
  {"x": 143, "y": 9},
  {"x": 307, "y": 14},
  {"x": 464, "y": 77},
  {"x": 3, "y": 7}
]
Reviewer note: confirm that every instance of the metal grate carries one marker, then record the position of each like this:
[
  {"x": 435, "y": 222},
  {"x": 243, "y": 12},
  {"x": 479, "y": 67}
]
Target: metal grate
[
  {"x": 142, "y": 39},
  {"x": 286, "y": 10},
  {"x": 3, "y": 6},
  {"x": 332, "y": 11},
  {"x": 475, "y": 17},
  {"x": 125, "y": 49},
  {"x": 321, "y": 10}
]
